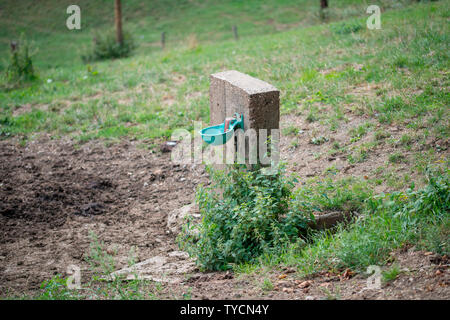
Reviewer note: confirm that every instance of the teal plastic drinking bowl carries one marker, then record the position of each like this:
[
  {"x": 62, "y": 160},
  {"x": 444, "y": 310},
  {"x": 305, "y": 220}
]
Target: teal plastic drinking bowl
[{"x": 216, "y": 135}]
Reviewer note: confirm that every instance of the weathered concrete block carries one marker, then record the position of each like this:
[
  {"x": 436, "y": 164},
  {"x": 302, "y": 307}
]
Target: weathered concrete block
[{"x": 233, "y": 91}]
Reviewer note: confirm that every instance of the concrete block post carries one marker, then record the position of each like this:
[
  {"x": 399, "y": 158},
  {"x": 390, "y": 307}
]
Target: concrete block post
[{"x": 233, "y": 91}]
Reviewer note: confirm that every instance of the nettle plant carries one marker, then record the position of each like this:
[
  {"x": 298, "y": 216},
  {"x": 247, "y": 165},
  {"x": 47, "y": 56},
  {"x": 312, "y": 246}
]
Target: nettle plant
[
  {"x": 20, "y": 65},
  {"x": 245, "y": 213},
  {"x": 105, "y": 46}
]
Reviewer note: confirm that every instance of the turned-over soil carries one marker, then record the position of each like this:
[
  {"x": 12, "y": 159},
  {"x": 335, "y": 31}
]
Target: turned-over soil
[{"x": 53, "y": 194}]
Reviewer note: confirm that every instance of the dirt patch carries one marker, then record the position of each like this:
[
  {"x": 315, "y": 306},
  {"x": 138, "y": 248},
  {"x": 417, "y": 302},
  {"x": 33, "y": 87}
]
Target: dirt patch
[
  {"x": 422, "y": 276},
  {"x": 309, "y": 156},
  {"x": 339, "y": 68},
  {"x": 169, "y": 100},
  {"x": 28, "y": 107},
  {"x": 178, "y": 79},
  {"x": 124, "y": 97},
  {"x": 53, "y": 194}
]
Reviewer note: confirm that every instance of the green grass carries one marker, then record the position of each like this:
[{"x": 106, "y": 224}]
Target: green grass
[
  {"x": 98, "y": 287},
  {"x": 323, "y": 71},
  {"x": 45, "y": 21},
  {"x": 391, "y": 274},
  {"x": 267, "y": 285},
  {"x": 329, "y": 194},
  {"x": 290, "y": 131},
  {"x": 386, "y": 222},
  {"x": 360, "y": 131},
  {"x": 149, "y": 95},
  {"x": 396, "y": 157}
]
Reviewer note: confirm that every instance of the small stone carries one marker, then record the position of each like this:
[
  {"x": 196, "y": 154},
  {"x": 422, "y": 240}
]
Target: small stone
[
  {"x": 167, "y": 146},
  {"x": 177, "y": 217},
  {"x": 288, "y": 270},
  {"x": 179, "y": 254},
  {"x": 304, "y": 284},
  {"x": 288, "y": 290}
]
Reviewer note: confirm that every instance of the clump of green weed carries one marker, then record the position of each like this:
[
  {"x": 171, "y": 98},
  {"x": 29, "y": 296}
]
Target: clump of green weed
[
  {"x": 106, "y": 47},
  {"x": 388, "y": 222},
  {"x": 391, "y": 274},
  {"x": 381, "y": 135},
  {"x": 290, "y": 131},
  {"x": 397, "y": 157},
  {"x": 346, "y": 28},
  {"x": 245, "y": 213},
  {"x": 56, "y": 289},
  {"x": 318, "y": 140},
  {"x": 360, "y": 131},
  {"x": 312, "y": 116},
  {"x": 20, "y": 66},
  {"x": 267, "y": 285}
]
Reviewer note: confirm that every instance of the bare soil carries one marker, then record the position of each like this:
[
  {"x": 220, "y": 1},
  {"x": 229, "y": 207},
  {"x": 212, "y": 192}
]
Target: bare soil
[
  {"x": 423, "y": 276},
  {"x": 310, "y": 160},
  {"x": 54, "y": 193}
]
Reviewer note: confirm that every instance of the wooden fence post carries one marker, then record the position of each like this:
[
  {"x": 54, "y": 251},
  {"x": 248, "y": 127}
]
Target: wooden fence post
[
  {"x": 235, "y": 33},
  {"x": 163, "y": 39}
]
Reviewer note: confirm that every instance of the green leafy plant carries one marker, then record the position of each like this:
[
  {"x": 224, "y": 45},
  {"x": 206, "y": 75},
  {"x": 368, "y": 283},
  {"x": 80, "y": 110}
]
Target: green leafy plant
[
  {"x": 318, "y": 140},
  {"x": 388, "y": 222},
  {"x": 267, "y": 285},
  {"x": 360, "y": 131},
  {"x": 245, "y": 213},
  {"x": 396, "y": 157},
  {"x": 290, "y": 131},
  {"x": 114, "y": 287},
  {"x": 391, "y": 274},
  {"x": 56, "y": 289},
  {"x": 20, "y": 66},
  {"x": 106, "y": 47},
  {"x": 346, "y": 28}
]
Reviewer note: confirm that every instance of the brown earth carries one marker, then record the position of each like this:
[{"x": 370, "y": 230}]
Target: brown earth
[
  {"x": 54, "y": 193},
  {"x": 423, "y": 276}
]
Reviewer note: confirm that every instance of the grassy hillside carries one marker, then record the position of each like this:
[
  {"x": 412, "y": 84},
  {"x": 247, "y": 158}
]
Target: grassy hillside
[
  {"x": 375, "y": 99},
  {"x": 396, "y": 75},
  {"x": 45, "y": 22}
]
